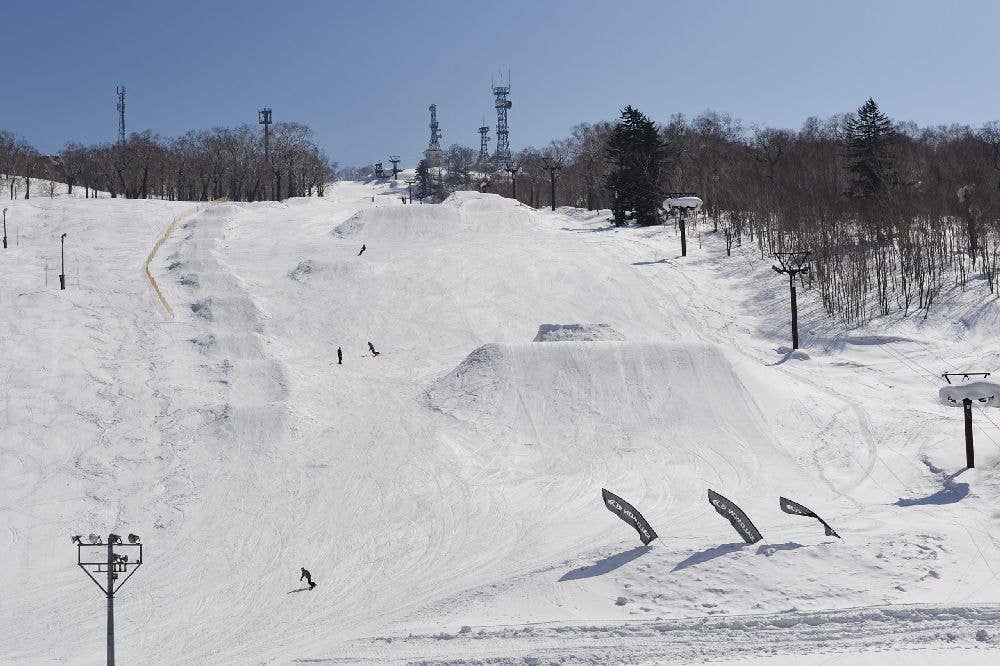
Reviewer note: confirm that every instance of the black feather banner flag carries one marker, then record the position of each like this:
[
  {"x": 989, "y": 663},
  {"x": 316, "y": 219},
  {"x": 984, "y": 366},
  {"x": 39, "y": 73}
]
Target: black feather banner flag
[
  {"x": 735, "y": 516},
  {"x": 788, "y": 506},
  {"x": 629, "y": 514}
]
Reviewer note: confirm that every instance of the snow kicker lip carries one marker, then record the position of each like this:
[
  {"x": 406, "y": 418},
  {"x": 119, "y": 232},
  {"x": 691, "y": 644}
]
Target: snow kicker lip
[{"x": 577, "y": 333}]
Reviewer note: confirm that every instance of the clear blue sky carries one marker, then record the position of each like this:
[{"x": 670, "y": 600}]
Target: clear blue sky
[{"x": 362, "y": 73}]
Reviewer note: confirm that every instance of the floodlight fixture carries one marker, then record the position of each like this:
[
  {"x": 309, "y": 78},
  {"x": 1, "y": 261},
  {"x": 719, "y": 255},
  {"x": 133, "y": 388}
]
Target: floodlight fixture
[{"x": 114, "y": 567}]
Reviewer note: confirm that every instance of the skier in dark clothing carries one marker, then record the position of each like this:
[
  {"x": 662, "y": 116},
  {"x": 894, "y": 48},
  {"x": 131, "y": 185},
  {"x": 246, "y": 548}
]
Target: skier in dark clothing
[
  {"x": 340, "y": 356},
  {"x": 363, "y": 248},
  {"x": 371, "y": 347},
  {"x": 307, "y": 577}
]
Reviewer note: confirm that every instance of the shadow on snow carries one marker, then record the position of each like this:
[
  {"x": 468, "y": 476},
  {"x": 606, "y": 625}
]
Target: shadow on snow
[
  {"x": 951, "y": 493},
  {"x": 709, "y": 554},
  {"x": 606, "y": 565}
]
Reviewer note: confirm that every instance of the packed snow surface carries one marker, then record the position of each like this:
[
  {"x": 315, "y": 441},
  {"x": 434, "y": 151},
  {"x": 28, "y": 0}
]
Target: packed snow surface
[{"x": 446, "y": 493}]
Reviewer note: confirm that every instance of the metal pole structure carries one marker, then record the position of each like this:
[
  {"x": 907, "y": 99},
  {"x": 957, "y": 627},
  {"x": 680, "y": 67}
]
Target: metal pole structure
[
  {"x": 120, "y": 91},
  {"x": 681, "y": 219},
  {"x": 5, "y": 228},
  {"x": 111, "y": 604},
  {"x": 264, "y": 118},
  {"x": 116, "y": 563},
  {"x": 552, "y": 189},
  {"x": 62, "y": 270},
  {"x": 512, "y": 169},
  {"x": 792, "y": 264},
  {"x": 552, "y": 167},
  {"x": 970, "y": 457},
  {"x": 795, "y": 313}
]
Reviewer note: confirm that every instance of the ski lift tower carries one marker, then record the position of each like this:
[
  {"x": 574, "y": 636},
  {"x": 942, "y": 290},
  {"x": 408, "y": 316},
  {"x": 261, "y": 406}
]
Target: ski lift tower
[
  {"x": 114, "y": 562},
  {"x": 681, "y": 205},
  {"x": 965, "y": 394},
  {"x": 792, "y": 264},
  {"x": 395, "y": 165}
]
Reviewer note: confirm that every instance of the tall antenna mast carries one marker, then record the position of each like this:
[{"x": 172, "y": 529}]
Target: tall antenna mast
[
  {"x": 435, "y": 128},
  {"x": 120, "y": 91},
  {"x": 502, "y": 154},
  {"x": 264, "y": 118},
  {"x": 433, "y": 152}
]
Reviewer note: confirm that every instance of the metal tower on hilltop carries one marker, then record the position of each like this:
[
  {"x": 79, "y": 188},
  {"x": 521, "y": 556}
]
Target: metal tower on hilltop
[
  {"x": 502, "y": 154},
  {"x": 484, "y": 140},
  {"x": 264, "y": 118},
  {"x": 395, "y": 165},
  {"x": 433, "y": 153},
  {"x": 120, "y": 91}
]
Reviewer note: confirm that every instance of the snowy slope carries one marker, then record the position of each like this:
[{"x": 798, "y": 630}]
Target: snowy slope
[{"x": 454, "y": 480}]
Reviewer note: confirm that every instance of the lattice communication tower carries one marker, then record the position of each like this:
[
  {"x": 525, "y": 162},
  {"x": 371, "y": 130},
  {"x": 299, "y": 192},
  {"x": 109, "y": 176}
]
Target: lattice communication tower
[{"x": 502, "y": 154}]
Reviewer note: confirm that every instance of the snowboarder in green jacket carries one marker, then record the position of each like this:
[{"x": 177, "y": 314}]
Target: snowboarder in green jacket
[
  {"x": 371, "y": 348},
  {"x": 306, "y": 576}
]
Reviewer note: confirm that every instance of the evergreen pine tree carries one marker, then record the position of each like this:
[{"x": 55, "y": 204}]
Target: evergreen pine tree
[
  {"x": 869, "y": 137},
  {"x": 636, "y": 153},
  {"x": 423, "y": 179}
]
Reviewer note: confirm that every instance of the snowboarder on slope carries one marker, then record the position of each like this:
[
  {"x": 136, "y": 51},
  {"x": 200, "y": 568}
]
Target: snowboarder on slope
[
  {"x": 371, "y": 347},
  {"x": 363, "y": 248},
  {"x": 340, "y": 356},
  {"x": 307, "y": 577}
]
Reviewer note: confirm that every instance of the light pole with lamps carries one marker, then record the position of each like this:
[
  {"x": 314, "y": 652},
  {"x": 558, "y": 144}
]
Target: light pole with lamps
[
  {"x": 116, "y": 563},
  {"x": 62, "y": 269}
]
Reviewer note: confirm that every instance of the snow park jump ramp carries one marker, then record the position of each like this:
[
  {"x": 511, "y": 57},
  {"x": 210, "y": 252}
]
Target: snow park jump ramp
[
  {"x": 679, "y": 408},
  {"x": 659, "y": 421}
]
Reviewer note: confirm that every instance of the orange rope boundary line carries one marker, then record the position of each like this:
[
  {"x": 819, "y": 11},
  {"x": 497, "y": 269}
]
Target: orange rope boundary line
[{"x": 163, "y": 239}]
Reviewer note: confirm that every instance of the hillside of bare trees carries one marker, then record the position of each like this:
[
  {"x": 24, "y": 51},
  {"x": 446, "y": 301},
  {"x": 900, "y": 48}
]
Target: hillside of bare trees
[
  {"x": 935, "y": 222},
  {"x": 197, "y": 166}
]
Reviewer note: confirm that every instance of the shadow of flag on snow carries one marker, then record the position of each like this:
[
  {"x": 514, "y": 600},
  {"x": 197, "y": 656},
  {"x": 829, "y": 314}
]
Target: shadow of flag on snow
[
  {"x": 629, "y": 514},
  {"x": 796, "y": 509},
  {"x": 735, "y": 516}
]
